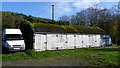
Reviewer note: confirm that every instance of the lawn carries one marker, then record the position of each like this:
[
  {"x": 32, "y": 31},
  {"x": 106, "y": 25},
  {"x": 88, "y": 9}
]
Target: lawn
[{"x": 98, "y": 56}]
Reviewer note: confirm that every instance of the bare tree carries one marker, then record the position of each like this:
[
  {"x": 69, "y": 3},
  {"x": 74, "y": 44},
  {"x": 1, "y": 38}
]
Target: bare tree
[{"x": 64, "y": 18}]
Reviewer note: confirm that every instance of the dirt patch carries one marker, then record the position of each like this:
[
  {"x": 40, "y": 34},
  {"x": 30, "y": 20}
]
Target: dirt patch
[{"x": 64, "y": 60}]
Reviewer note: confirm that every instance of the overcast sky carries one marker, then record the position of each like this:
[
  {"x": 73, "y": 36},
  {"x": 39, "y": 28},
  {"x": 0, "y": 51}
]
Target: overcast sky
[{"x": 42, "y": 8}]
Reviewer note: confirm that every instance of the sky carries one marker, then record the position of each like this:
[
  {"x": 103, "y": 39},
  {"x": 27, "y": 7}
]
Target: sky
[{"x": 43, "y": 8}]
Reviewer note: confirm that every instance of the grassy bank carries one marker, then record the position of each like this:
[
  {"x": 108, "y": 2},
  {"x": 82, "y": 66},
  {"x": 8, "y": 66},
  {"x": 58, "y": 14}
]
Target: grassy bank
[{"x": 98, "y": 56}]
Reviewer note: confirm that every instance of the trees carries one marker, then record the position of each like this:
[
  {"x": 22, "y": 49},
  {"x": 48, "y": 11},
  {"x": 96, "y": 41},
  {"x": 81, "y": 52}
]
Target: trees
[
  {"x": 11, "y": 20},
  {"x": 64, "y": 18},
  {"x": 107, "y": 19},
  {"x": 115, "y": 11},
  {"x": 63, "y": 22},
  {"x": 118, "y": 39},
  {"x": 27, "y": 32}
]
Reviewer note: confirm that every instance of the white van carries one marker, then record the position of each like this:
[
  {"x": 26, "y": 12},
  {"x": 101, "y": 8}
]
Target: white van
[
  {"x": 13, "y": 40},
  {"x": 106, "y": 40}
]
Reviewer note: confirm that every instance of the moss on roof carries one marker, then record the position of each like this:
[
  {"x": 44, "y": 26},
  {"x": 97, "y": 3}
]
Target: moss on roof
[{"x": 40, "y": 27}]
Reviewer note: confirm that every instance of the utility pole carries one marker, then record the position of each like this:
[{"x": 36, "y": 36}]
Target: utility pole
[{"x": 52, "y": 13}]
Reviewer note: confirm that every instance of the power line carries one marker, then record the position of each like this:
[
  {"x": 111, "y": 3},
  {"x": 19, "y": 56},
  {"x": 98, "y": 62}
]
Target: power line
[
  {"x": 75, "y": 7},
  {"x": 53, "y": 2},
  {"x": 97, "y": 4},
  {"x": 65, "y": 7},
  {"x": 42, "y": 11},
  {"x": 58, "y": 6}
]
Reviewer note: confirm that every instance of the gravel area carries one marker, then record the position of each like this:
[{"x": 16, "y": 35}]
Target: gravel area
[{"x": 64, "y": 60}]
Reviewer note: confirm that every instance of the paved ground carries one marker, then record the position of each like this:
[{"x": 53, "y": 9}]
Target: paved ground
[{"x": 64, "y": 60}]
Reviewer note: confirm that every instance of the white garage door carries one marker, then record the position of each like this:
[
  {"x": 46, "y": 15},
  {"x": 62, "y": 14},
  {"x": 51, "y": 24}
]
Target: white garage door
[{"x": 40, "y": 42}]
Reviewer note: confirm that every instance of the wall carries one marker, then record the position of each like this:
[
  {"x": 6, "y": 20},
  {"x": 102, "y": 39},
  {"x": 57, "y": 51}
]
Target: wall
[{"x": 66, "y": 41}]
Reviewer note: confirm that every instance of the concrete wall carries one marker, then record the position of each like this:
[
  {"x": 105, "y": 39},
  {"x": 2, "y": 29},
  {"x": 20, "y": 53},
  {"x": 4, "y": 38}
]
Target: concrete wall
[{"x": 67, "y": 41}]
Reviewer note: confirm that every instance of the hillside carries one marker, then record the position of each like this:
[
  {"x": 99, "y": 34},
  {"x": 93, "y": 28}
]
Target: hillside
[
  {"x": 11, "y": 20},
  {"x": 19, "y": 20}
]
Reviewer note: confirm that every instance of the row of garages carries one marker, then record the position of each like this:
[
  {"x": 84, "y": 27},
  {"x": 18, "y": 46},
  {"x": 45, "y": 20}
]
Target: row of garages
[{"x": 49, "y": 41}]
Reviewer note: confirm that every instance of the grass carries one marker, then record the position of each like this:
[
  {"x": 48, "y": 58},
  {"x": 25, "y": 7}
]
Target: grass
[
  {"x": 105, "y": 56},
  {"x": 41, "y": 27}
]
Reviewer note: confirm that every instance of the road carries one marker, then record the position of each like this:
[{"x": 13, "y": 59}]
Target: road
[{"x": 64, "y": 60}]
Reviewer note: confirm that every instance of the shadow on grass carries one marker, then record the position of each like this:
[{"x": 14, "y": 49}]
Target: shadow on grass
[
  {"x": 105, "y": 49},
  {"x": 10, "y": 52}
]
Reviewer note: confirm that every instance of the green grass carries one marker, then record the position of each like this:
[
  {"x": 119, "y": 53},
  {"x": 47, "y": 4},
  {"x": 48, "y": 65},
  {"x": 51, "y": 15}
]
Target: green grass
[{"x": 98, "y": 56}]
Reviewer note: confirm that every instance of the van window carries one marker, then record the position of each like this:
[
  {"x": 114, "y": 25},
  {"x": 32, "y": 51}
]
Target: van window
[
  {"x": 14, "y": 37},
  {"x": 105, "y": 38}
]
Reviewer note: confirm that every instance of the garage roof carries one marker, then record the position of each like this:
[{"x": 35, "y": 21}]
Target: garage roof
[{"x": 48, "y": 28}]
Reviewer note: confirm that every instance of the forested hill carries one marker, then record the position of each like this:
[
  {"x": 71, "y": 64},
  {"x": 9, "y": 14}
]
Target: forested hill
[
  {"x": 18, "y": 20},
  {"x": 11, "y": 20}
]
